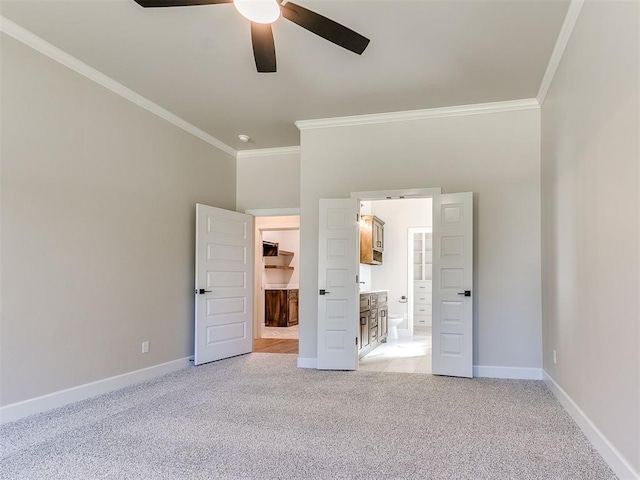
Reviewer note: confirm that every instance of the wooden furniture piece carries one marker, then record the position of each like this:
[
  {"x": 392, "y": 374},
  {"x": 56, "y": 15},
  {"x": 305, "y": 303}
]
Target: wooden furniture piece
[
  {"x": 276, "y": 258},
  {"x": 373, "y": 321},
  {"x": 371, "y": 239},
  {"x": 281, "y": 307}
]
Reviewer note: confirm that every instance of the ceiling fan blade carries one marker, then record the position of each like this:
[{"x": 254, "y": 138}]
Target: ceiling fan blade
[
  {"x": 264, "y": 49},
  {"x": 325, "y": 27},
  {"x": 177, "y": 3}
]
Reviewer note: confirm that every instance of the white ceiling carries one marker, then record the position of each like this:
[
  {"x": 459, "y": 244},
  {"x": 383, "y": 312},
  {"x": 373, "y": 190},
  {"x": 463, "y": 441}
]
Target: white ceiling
[{"x": 197, "y": 62}]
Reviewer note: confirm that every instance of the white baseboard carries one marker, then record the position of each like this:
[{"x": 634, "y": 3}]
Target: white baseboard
[
  {"x": 609, "y": 453},
  {"x": 16, "y": 411},
  {"x": 519, "y": 373},
  {"x": 307, "y": 362}
]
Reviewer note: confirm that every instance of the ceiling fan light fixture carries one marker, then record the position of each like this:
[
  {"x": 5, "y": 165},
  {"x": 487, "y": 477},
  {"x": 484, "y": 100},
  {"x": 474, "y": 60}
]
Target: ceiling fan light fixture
[{"x": 258, "y": 11}]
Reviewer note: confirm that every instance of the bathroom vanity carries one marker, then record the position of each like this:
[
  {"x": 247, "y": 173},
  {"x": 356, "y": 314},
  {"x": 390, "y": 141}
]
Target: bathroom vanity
[
  {"x": 281, "y": 307},
  {"x": 373, "y": 320}
]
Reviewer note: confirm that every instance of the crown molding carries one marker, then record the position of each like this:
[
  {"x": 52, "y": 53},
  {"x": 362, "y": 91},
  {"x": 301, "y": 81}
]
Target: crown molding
[
  {"x": 269, "y": 152},
  {"x": 561, "y": 43},
  {"x": 441, "y": 112},
  {"x": 31, "y": 40}
]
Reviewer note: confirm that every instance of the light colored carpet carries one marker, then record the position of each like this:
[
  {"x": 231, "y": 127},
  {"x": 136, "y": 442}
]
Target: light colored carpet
[{"x": 259, "y": 417}]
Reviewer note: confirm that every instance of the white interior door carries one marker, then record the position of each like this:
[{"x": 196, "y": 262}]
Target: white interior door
[
  {"x": 453, "y": 284},
  {"x": 338, "y": 262},
  {"x": 224, "y": 284}
]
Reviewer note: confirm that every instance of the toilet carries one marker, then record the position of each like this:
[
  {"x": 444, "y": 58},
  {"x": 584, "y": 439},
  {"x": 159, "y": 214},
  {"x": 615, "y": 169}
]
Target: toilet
[{"x": 394, "y": 321}]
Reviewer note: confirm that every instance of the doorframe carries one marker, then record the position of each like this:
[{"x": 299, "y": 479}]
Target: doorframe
[
  {"x": 402, "y": 193},
  {"x": 258, "y": 295},
  {"x": 371, "y": 195}
]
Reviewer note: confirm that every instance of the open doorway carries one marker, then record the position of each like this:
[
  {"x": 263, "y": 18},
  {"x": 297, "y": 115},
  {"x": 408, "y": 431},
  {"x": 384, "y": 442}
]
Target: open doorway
[
  {"x": 277, "y": 273},
  {"x": 402, "y": 337}
]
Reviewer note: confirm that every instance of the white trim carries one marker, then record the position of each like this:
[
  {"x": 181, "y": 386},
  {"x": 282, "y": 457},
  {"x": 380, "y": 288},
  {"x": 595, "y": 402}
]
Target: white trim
[
  {"x": 22, "y": 35},
  {"x": 268, "y": 152},
  {"x": 272, "y": 212},
  {"x": 609, "y": 453},
  {"x": 307, "y": 362},
  {"x": 518, "y": 373},
  {"x": 441, "y": 112},
  {"x": 402, "y": 193},
  {"x": 561, "y": 43},
  {"x": 15, "y": 411}
]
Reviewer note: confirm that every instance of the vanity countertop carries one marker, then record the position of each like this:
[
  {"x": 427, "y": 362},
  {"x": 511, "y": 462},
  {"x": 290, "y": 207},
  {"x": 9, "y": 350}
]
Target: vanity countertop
[
  {"x": 365, "y": 292},
  {"x": 275, "y": 286}
]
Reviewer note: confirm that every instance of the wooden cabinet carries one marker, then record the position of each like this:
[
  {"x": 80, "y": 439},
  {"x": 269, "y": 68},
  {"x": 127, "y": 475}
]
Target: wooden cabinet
[
  {"x": 364, "y": 330},
  {"x": 373, "y": 321},
  {"x": 371, "y": 239},
  {"x": 292, "y": 300},
  {"x": 281, "y": 308}
]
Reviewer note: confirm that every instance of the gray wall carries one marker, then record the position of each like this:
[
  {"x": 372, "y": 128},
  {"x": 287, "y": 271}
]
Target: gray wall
[
  {"x": 97, "y": 205},
  {"x": 590, "y": 222},
  {"x": 268, "y": 181},
  {"x": 495, "y": 155}
]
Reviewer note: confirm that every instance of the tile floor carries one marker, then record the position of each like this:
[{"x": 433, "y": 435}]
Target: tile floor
[{"x": 406, "y": 354}]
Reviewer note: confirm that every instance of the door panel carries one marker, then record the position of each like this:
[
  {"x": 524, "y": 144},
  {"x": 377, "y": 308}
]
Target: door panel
[
  {"x": 338, "y": 254},
  {"x": 224, "y": 270},
  {"x": 452, "y": 310}
]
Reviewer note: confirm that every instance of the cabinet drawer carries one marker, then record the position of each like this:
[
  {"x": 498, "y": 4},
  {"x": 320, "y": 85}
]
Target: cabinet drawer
[
  {"x": 422, "y": 320},
  {"x": 381, "y": 299},
  {"x": 422, "y": 310},
  {"x": 365, "y": 302},
  {"x": 373, "y": 300},
  {"x": 422, "y": 298},
  {"x": 422, "y": 286},
  {"x": 373, "y": 318}
]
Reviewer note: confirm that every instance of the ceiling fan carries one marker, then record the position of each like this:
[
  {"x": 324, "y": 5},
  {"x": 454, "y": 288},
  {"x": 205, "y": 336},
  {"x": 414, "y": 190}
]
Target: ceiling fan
[{"x": 263, "y": 13}]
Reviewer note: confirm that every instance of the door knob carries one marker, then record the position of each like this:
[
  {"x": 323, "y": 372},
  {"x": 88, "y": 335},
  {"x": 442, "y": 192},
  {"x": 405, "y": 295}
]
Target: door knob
[
  {"x": 466, "y": 293},
  {"x": 202, "y": 290},
  {"x": 324, "y": 292}
]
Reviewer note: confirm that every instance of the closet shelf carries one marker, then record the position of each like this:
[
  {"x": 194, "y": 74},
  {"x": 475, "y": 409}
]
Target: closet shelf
[
  {"x": 279, "y": 267},
  {"x": 285, "y": 253}
]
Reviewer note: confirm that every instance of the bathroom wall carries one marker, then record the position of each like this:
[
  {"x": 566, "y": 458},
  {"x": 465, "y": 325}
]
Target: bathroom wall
[{"x": 365, "y": 270}]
